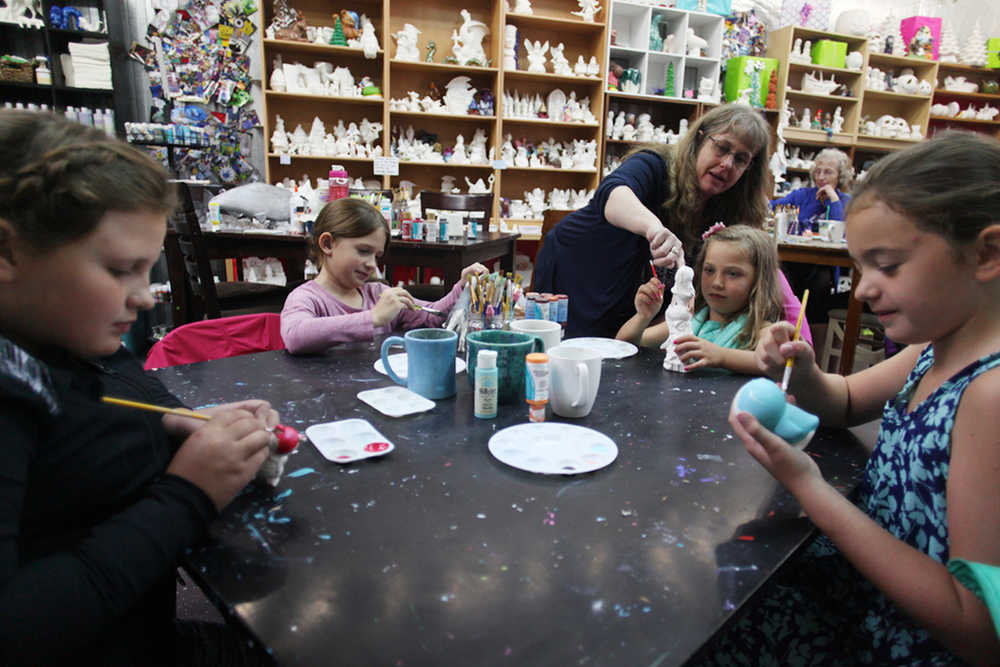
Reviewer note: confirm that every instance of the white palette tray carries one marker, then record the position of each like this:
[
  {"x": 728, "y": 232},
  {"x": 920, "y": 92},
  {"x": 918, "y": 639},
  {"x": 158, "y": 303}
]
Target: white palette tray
[
  {"x": 399, "y": 365},
  {"x": 396, "y": 401},
  {"x": 553, "y": 448},
  {"x": 608, "y": 348},
  {"x": 348, "y": 440}
]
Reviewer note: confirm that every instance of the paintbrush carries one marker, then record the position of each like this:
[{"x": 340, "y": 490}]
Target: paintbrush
[
  {"x": 428, "y": 309},
  {"x": 798, "y": 328},
  {"x": 288, "y": 437}
]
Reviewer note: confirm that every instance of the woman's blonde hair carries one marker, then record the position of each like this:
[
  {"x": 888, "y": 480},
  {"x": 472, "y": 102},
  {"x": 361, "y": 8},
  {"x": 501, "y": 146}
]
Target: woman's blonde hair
[
  {"x": 684, "y": 212},
  {"x": 845, "y": 172},
  {"x": 346, "y": 218},
  {"x": 765, "y": 304}
]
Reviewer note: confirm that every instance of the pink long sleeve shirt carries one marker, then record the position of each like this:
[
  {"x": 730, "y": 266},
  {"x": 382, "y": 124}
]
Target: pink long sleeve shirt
[{"x": 313, "y": 319}]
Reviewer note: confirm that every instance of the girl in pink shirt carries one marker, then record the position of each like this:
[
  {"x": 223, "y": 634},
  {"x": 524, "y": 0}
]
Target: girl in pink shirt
[{"x": 340, "y": 305}]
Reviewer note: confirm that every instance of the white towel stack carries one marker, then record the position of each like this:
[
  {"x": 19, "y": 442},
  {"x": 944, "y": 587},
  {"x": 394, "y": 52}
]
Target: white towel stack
[{"x": 87, "y": 65}]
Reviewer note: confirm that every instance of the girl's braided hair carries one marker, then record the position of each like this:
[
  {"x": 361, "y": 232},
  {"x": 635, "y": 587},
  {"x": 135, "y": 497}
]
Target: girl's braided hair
[{"x": 58, "y": 178}]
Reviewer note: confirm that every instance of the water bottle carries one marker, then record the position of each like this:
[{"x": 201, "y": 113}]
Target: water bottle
[{"x": 340, "y": 184}]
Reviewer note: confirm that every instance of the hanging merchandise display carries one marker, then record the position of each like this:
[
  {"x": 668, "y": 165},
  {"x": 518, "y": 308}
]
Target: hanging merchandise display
[{"x": 199, "y": 76}]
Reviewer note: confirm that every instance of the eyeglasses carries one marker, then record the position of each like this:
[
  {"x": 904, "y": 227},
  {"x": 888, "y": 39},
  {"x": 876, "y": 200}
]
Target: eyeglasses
[{"x": 741, "y": 160}]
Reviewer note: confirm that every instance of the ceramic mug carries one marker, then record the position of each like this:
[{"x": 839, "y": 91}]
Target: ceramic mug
[
  {"x": 511, "y": 348},
  {"x": 430, "y": 361},
  {"x": 576, "y": 375},
  {"x": 550, "y": 332}
]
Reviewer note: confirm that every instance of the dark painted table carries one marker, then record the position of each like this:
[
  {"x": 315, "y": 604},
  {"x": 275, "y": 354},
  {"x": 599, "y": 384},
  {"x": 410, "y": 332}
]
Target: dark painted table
[{"x": 438, "y": 554}]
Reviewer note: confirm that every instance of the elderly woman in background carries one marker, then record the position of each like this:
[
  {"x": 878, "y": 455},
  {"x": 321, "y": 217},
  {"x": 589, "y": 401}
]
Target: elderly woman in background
[
  {"x": 831, "y": 175},
  {"x": 655, "y": 206}
]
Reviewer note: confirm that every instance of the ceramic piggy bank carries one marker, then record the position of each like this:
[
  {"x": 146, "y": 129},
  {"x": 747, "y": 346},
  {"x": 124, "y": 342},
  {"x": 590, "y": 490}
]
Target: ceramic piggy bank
[{"x": 764, "y": 399}]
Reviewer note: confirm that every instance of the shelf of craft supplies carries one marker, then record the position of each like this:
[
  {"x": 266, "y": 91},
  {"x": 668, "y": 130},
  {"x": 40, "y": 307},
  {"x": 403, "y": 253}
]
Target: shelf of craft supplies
[
  {"x": 555, "y": 169},
  {"x": 883, "y": 143}
]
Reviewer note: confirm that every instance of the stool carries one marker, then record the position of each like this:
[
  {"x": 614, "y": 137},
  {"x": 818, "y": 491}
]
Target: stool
[{"x": 870, "y": 349}]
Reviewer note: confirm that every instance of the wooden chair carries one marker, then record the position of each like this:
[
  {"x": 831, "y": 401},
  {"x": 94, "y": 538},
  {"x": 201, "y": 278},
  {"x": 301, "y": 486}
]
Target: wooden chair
[
  {"x": 208, "y": 298},
  {"x": 450, "y": 201},
  {"x": 549, "y": 220}
]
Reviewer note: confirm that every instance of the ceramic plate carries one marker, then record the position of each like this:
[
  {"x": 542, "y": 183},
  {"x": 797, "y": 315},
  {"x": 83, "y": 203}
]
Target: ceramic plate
[
  {"x": 609, "y": 348},
  {"x": 553, "y": 448},
  {"x": 398, "y": 363},
  {"x": 396, "y": 401},
  {"x": 348, "y": 440}
]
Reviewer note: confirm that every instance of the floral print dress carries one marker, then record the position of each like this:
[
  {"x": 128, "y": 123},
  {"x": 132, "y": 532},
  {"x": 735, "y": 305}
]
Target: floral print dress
[{"x": 819, "y": 610}]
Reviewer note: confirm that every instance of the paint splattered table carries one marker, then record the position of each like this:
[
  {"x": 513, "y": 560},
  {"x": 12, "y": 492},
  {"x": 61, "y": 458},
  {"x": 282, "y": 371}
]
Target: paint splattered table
[{"x": 438, "y": 554}]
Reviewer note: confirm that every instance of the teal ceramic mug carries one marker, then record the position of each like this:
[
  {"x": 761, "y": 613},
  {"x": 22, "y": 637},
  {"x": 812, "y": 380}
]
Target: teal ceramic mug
[
  {"x": 511, "y": 348},
  {"x": 430, "y": 361}
]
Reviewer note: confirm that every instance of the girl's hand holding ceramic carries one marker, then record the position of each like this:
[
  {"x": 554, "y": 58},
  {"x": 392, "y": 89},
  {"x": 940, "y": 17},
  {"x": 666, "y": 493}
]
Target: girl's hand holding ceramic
[
  {"x": 776, "y": 346},
  {"x": 789, "y": 465},
  {"x": 649, "y": 298},
  {"x": 698, "y": 351},
  {"x": 389, "y": 304},
  {"x": 223, "y": 455},
  {"x": 475, "y": 269}
]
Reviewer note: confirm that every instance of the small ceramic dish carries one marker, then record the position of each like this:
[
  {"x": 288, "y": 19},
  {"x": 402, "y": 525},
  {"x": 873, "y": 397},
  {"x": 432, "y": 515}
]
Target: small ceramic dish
[
  {"x": 396, "y": 401},
  {"x": 348, "y": 440},
  {"x": 608, "y": 348}
]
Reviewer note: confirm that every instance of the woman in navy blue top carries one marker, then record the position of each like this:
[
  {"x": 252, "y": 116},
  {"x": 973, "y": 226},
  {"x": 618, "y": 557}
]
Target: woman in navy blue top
[
  {"x": 655, "y": 206},
  {"x": 831, "y": 173}
]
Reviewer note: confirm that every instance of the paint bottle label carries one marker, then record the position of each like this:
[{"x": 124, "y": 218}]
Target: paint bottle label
[{"x": 536, "y": 385}]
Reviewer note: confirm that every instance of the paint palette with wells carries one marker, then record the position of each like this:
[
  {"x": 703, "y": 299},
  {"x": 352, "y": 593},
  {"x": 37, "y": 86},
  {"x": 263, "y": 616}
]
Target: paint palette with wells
[
  {"x": 348, "y": 440},
  {"x": 553, "y": 448},
  {"x": 396, "y": 401}
]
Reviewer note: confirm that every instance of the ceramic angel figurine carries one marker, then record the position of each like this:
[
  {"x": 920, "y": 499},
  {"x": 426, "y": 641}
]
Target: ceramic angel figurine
[
  {"x": 536, "y": 55},
  {"x": 678, "y": 316},
  {"x": 406, "y": 43},
  {"x": 559, "y": 63},
  {"x": 588, "y": 8}
]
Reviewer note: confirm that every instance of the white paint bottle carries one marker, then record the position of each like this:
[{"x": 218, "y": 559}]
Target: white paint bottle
[{"x": 484, "y": 401}]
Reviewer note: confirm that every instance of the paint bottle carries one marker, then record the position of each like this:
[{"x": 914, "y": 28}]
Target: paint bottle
[
  {"x": 339, "y": 184},
  {"x": 536, "y": 385},
  {"x": 484, "y": 402}
]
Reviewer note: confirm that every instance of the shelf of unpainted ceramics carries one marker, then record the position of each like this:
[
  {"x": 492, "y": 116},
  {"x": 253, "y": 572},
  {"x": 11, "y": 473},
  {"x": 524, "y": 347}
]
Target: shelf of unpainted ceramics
[
  {"x": 461, "y": 118},
  {"x": 275, "y": 46},
  {"x": 555, "y": 23},
  {"x": 335, "y": 99}
]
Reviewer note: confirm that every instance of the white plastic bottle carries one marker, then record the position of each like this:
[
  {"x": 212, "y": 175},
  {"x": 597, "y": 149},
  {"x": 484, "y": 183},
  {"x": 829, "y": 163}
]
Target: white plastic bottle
[
  {"x": 71, "y": 114},
  {"x": 109, "y": 122},
  {"x": 85, "y": 117},
  {"x": 484, "y": 402}
]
